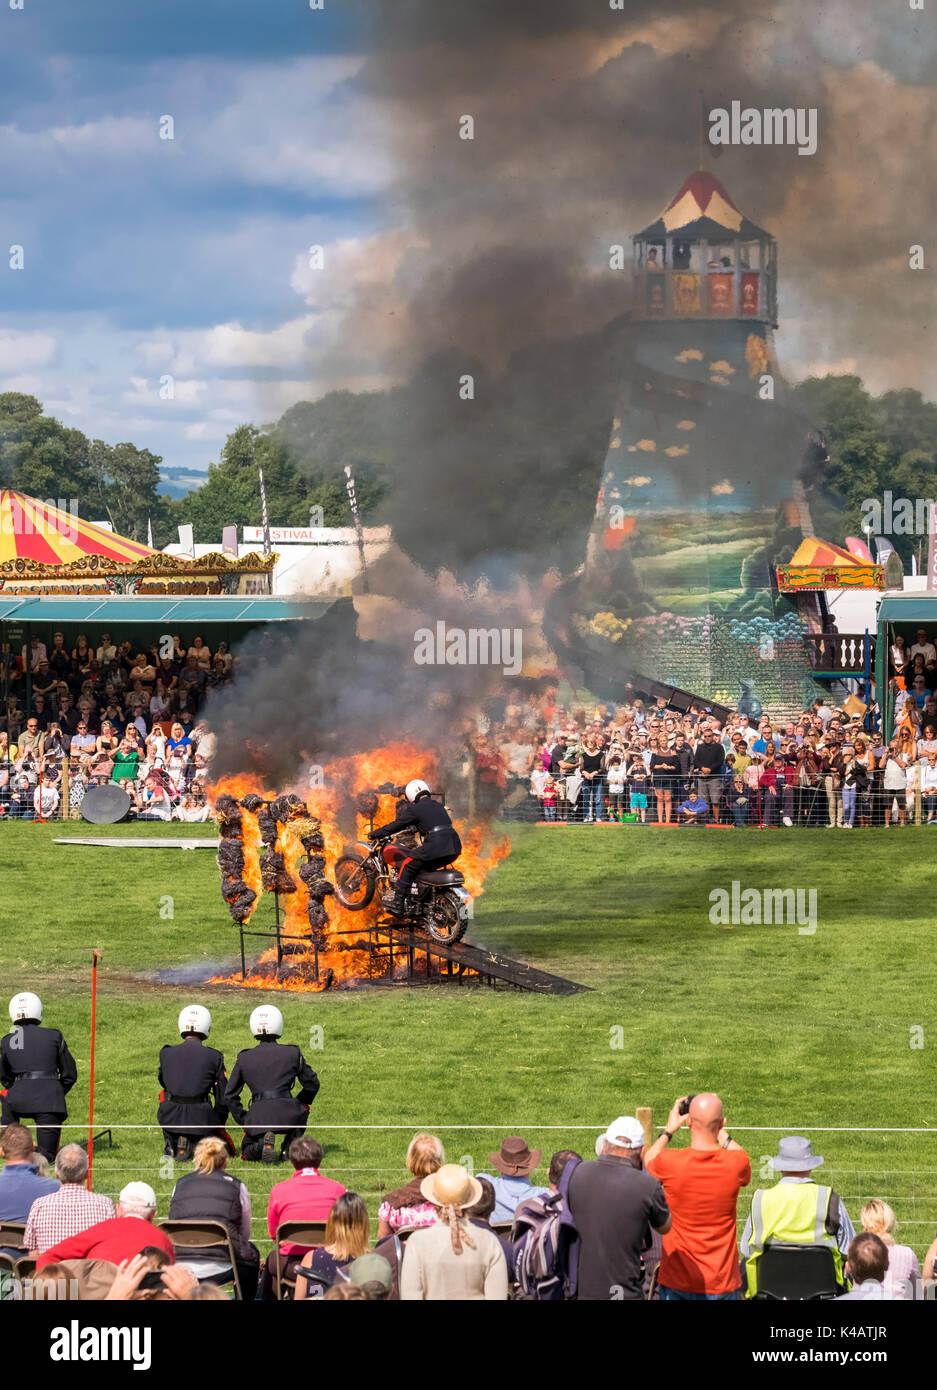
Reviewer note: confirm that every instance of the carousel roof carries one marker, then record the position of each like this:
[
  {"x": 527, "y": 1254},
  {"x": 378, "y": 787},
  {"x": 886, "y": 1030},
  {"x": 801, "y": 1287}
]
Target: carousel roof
[
  {"x": 702, "y": 207},
  {"x": 31, "y": 530}
]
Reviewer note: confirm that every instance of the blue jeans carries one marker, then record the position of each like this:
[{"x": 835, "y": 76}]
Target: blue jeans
[
  {"x": 740, "y": 814},
  {"x": 677, "y": 1296},
  {"x": 592, "y": 796},
  {"x": 849, "y": 805}
]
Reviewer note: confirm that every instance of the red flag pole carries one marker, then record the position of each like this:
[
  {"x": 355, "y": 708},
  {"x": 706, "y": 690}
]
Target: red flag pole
[{"x": 95, "y": 957}]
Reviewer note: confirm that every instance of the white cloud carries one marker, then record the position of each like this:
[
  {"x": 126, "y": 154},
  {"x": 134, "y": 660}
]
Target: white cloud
[{"x": 25, "y": 351}]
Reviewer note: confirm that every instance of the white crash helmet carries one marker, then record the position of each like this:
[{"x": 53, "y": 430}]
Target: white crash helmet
[
  {"x": 415, "y": 788},
  {"x": 195, "y": 1019},
  {"x": 25, "y": 1006},
  {"x": 267, "y": 1022}
]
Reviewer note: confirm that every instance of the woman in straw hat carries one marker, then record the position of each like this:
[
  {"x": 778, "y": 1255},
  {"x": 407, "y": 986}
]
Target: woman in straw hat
[{"x": 453, "y": 1260}]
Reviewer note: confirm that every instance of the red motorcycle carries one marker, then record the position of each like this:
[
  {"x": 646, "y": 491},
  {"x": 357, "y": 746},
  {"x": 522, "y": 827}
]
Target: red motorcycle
[{"x": 440, "y": 904}]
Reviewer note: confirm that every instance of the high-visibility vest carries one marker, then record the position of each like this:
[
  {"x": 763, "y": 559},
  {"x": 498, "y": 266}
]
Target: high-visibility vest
[{"x": 792, "y": 1213}]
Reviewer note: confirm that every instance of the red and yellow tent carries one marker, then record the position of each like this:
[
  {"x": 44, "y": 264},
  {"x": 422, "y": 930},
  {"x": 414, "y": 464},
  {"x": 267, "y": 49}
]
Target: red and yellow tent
[
  {"x": 818, "y": 564},
  {"x": 31, "y": 530}
]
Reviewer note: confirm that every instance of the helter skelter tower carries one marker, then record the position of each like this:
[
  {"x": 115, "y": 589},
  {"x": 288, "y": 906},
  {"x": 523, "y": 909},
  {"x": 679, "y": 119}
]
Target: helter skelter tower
[{"x": 703, "y": 436}]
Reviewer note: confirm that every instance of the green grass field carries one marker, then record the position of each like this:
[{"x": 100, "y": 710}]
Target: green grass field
[{"x": 796, "y": 1032}]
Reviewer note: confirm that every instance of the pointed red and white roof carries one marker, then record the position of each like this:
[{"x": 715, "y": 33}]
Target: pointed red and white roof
[
  {"x": 31, "y": 530},
  {"x": 702, "y": 205}
]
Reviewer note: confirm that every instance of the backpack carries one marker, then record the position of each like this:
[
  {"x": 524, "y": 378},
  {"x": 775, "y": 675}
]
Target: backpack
[{"x": 546, "y": 1245}]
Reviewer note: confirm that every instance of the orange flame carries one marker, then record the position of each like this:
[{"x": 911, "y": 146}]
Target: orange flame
[{"x": 343, "y": 779}]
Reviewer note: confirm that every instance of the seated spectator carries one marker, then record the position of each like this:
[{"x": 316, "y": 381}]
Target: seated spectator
[
  {"x": 83, "y": 740},
  {"x": 107, "y": 651},
  {"x": 70, "y": 1208},
  {"x": 178, "y": 739},
  {"x": 867, "y": 1267},
  {"x": 615, "y": 1206},
  {"x": 789, "y": 1214},
  {"x": 306, "y": 1196},
  {"x": 480, "y": 1215},
  {"x": 514, "y": 1163},
  {"x": 126, "y": 1234},
  {"x": 700, "y": 1258},
  {"x": 153, "y": 801},
  {"x": 903, "y": 1278},
  {"x": 160, "y": 703},
  {"x": 453, "y": 1261},
  {"x": 20, "y": 1183},
  {"x": 694, "y": 810},
  {"x": 192, "y": 810},
  {"x": 200, "y": 653},
  {"x": 347, "y": 1236},
  {"x": 144, "y": 672},
  {"x": 209, "y": 1193},
  {"x": 406, "y": 1206},
  {"x": 21, "y": 801},
  {"x": 373, "y": 1275}
]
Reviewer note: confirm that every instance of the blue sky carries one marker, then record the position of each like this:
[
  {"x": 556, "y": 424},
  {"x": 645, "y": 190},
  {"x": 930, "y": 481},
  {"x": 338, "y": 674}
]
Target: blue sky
[
  {"x": 146, "y": 256},
  {"x": 293, "y": 127}
]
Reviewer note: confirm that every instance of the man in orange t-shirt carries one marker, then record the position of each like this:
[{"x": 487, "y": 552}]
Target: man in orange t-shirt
[{"x": 701, "y": 1184}]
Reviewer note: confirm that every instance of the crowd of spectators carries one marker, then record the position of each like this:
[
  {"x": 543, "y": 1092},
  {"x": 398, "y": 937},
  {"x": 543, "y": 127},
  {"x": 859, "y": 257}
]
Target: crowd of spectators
[
  {"x": 113, "y": 713},
  {"x": 648, "y": 763},
  {"x": 643, "y": 1221}
]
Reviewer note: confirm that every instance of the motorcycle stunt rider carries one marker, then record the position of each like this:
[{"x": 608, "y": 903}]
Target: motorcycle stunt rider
[
  {"x": 37, "y": 1070},
  {"x": 440, "y": 841},
  {"x": 192, "y": 1105},
  {"x": 269, "y": 1069}
]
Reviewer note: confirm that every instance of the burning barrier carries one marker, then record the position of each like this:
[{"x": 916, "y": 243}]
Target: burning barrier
[{"x": 282, "y": 845}]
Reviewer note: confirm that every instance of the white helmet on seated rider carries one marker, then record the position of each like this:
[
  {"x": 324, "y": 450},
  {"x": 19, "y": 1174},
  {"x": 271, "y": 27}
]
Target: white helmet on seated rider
[
  {"x": 25, "y": 1007},
  {"x": 415, "y": 789},
  {"x": 194, "y": 1019},
  {"x": 267, "y": 1022}
]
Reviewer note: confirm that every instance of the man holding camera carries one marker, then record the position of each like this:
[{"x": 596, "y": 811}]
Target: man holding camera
[{"x": 701, "y": 1184}]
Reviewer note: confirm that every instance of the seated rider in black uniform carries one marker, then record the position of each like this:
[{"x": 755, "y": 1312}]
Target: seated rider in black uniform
[
  {"x": 440, "y": 841},
  {"x": 192, "y": 1105}
]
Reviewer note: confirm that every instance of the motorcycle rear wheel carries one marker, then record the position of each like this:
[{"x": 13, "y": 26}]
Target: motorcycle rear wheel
[
  {"x": 444, "y": 922},
  {"x": 354, "y": 882}
]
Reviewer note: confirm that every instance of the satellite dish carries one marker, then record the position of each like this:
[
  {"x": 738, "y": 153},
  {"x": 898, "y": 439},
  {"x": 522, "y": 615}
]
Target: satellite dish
[{"x": 105, "y": 805}]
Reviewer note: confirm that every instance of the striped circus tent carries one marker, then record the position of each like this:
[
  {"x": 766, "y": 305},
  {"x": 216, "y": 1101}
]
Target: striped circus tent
[
  {"x": 31, "y": 530},
  {"x": 813, "y": 551}
]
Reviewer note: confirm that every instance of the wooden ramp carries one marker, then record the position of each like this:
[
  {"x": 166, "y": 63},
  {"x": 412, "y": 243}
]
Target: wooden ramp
[{"x": 462, "y": 963}]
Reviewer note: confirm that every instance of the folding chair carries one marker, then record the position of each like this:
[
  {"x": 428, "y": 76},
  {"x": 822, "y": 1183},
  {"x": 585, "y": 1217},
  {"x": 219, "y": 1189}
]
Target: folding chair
[
  {"x": 502, "y": 1228},
  {"x": 192, "y": 1238},
  {"x": 25, "y": 1267},
  {"x": 796, "y": 1273},
  {"x": 12, "y": 1235},
  {"x": 306, "y": 1233}
]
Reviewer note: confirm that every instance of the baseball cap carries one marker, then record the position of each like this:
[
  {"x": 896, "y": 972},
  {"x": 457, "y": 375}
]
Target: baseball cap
[
  {"x": 625, "y": 1132},
  {"x": 371, "y": 1267},
  {"x": 138, "y": 1194}
]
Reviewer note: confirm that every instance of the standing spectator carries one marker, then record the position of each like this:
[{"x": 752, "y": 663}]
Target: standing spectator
[
  {"x": 515, "y": 1162},
  {"x": 739, "y": 799},
  {"x": 615, "y": 1205},
  {"x": 82, "y": 741},
  {"x": 894, "y": 782},
  {"x": 200, "y": 653},
  {"x": 637, "y": 784},
  {"x": 923, "y": 647},
  {"x": 903, "y": 1279},
  {"x": 37, "y": 652},
  {"x": 406, "y": 1206},
  {"x": 796, "y": 1211},
  {"x": 617, "y": 789},
  {"x": 701, "y": 1184},
  {"x": 107, "y": 650},
  {"x": 70, "y": 1208},
  {"x": 708, "y": 761},
  {"x": 592, "y": 769},
  {"x": 929, "y": 786},
  {"x": 46, "y": 801},
  {"x": 453, "y": 1261}
]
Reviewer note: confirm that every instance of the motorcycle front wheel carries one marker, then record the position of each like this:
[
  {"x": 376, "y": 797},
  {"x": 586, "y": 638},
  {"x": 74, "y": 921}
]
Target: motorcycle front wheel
[
  {"x": 354, "y": 882},
  {"x": 444, "y": 921}
]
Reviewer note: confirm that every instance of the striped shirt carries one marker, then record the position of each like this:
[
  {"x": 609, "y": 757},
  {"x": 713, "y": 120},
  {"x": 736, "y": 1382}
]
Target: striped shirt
[{"x": 63, "y": 1214}]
